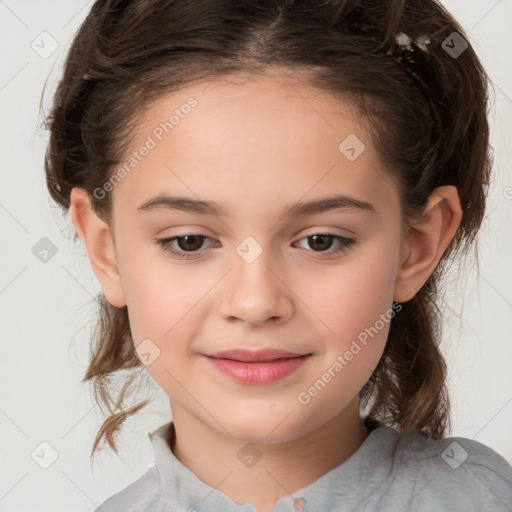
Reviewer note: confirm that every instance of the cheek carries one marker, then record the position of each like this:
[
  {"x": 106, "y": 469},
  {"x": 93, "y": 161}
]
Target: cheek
[
  {"x": 354, "y": 303},
  {"x": 351, "y": 296},
  {"x": 158, "y": 292},
  {"x": 160, "y": 300},
  {"x": 162, "y": 305}
]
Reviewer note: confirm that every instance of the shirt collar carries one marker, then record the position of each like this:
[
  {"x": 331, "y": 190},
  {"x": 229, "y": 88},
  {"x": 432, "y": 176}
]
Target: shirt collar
[{"x": 184, "y": 490}]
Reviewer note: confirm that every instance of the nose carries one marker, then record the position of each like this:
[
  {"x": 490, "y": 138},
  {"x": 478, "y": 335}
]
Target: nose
[{"x": 256, "y": 292}]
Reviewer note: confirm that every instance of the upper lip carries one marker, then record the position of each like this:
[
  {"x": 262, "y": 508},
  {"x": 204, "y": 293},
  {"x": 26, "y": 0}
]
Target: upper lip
[{"x": 246, "y": 355}]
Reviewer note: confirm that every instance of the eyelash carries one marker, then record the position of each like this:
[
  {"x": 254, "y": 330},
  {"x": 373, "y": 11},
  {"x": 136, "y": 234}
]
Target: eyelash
[{"x": 165, "y": 244}]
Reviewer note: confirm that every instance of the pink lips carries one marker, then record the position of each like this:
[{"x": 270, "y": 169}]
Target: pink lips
[{"x": 262, "y": 366}]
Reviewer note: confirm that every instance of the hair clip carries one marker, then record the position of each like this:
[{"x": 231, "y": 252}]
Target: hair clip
[
  {"x": 404, "y": 52},
  {"x": 403, "y": 42}
]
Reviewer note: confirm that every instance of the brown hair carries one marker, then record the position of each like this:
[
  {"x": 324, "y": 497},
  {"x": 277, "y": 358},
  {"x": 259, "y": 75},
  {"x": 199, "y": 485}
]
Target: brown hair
[{"x": 426, "y": 112}]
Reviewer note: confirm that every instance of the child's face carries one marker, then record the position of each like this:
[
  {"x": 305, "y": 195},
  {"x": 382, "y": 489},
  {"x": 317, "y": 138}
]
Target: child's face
[{"x": 255, "y": 147}]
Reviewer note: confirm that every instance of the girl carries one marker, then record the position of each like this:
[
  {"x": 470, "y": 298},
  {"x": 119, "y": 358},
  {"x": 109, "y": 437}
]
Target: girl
[{"x": 269, "y": 193}]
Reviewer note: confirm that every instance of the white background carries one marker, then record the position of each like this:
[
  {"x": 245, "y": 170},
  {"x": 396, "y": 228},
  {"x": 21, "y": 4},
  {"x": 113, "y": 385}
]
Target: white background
[{"x": 47, "y": 309}]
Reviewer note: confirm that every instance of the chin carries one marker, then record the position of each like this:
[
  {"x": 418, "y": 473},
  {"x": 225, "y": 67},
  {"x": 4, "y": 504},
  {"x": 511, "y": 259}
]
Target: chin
[{"x": 267, "y": 429}]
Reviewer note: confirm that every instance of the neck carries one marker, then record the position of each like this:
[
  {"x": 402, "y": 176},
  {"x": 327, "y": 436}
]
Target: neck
[{"x": 281, "y": 470}]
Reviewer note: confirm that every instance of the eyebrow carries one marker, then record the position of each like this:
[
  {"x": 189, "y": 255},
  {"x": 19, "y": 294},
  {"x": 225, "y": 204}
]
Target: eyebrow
[{"x": 298, "y": 209}]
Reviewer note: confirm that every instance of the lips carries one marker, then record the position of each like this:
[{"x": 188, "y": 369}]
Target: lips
[
  {"x": 254, "y": 356},
  {"x": 260, "y": 367}
]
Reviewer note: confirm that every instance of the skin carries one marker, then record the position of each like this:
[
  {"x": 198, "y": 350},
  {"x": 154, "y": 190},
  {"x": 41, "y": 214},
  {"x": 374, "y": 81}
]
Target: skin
[{"x": 254, "y": 145}]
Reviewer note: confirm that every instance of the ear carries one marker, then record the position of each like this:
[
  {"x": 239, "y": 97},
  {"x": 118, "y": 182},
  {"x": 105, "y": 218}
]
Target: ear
[
  {"x": 426, "y": 241},
  {"x": 99, "y": 243}
]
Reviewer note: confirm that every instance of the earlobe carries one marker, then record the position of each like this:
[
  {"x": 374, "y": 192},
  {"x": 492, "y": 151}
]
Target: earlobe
[
  {"x": 97, "y": 239},
  {"x": 426, "y": 241}
]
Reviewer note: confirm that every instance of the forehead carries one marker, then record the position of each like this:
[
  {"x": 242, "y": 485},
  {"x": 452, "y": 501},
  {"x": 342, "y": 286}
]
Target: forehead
[{"x": 243, "y": 139}]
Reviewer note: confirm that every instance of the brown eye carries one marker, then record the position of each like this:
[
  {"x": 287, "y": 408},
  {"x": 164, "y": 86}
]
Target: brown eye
[
  {"x": 185, "y": 244},
  {"x": 190, "y": 242},
  {"x": 322, "y": 242}
]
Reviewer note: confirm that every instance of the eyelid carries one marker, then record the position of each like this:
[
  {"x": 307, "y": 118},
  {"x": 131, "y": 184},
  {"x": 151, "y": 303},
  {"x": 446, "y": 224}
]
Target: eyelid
[{"x": 326, "y": 231}]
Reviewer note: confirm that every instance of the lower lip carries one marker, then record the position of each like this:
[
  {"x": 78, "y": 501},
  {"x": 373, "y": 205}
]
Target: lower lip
[{"x": 260, "y": 372}]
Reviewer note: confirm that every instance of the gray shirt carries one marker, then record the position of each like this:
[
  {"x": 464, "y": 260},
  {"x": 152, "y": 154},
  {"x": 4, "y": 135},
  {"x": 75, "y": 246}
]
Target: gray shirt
[{"x": 417, "y": 474}]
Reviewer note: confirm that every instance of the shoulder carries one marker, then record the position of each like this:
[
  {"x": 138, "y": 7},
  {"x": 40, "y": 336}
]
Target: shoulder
[
  {"x": 142, "y": 495},
  {"x": 458, "y": 472}
]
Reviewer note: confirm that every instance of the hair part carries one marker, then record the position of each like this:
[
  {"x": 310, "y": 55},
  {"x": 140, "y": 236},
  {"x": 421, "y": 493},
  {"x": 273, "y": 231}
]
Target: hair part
[{"x": 128, "y": 54}]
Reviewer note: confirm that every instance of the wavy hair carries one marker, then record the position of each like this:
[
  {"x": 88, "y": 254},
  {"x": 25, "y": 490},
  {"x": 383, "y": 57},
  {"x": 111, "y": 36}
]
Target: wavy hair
[{"x": 426, "y": 112}]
